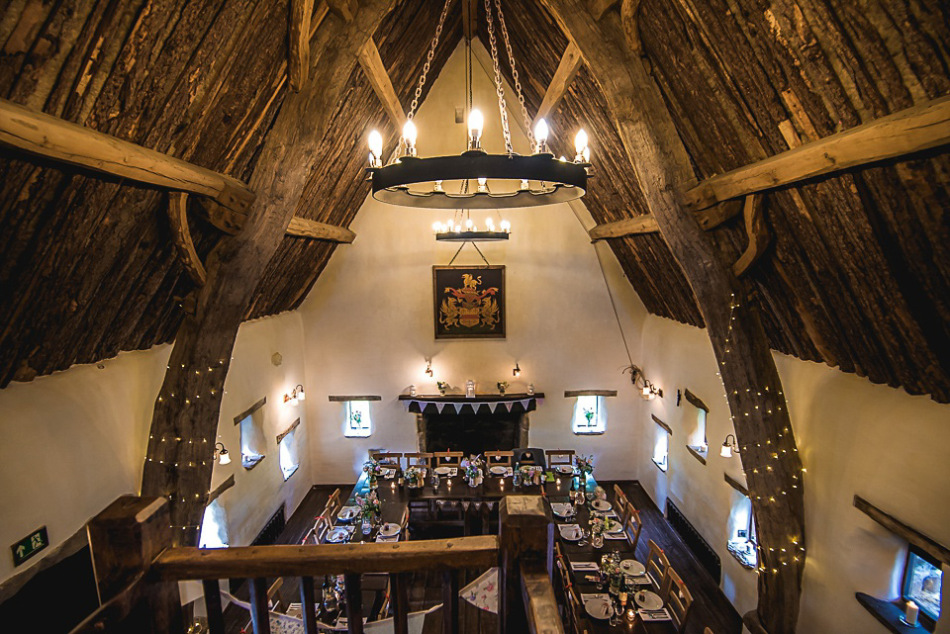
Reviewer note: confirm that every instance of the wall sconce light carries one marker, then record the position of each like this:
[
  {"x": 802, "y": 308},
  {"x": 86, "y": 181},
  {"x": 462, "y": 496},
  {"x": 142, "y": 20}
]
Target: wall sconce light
[
  {"x": 516, "y": 371},
  {"x": 295, "y": 396},
  {"x": 729, "y": 447},
  {"x": 429, "y": 367},
  {"x": 221, "y": 455},
  {"x": 647, "y": 389}
]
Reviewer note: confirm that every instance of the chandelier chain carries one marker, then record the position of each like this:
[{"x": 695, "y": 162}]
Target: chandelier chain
[
  {"x": 429, "y": 57},
  {"x": 514, "y": 73},
  {"x": 499, "y": 87}
]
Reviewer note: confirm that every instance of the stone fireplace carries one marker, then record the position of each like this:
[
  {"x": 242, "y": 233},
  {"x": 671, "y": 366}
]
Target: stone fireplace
[{"x": 472, "y": 426}]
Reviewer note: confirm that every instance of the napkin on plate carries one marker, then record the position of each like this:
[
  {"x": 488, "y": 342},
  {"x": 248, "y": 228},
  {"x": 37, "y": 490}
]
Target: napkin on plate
[
  {"x": 590, "y": 597},
  {"x": 584, "y": 566},
  {"x": 562, "y": 509},
  {"x": 620, "y": 535},
  {"x": 383, "y": 538},
  {"x": 654, "y": 615},
  {"x": 640, "y": 580}
]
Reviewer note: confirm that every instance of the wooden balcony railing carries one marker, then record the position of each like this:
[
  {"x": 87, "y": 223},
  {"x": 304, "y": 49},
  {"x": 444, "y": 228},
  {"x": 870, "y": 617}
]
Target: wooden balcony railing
[{"x": 137, "y": 571}]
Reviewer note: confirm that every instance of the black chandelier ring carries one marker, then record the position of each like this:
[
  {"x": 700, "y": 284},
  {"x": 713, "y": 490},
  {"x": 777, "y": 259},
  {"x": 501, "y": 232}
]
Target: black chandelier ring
[{"x": 559, "y": 181}]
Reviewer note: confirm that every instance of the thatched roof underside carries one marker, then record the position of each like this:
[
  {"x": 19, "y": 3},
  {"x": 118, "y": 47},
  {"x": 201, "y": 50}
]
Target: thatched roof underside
[{"x": 857, "y": 274}]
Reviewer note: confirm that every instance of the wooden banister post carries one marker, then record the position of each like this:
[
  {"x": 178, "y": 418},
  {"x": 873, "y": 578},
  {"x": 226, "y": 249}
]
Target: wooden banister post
[
  {"x": 526, "y": 534},
  {"x": 124, "y": 539}
]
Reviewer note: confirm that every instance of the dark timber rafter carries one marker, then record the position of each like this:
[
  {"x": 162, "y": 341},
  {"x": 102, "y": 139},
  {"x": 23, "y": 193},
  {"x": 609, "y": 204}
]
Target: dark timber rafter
[
  {"x": 179, "y": 459},
  {"x": 751, "y": 381}
]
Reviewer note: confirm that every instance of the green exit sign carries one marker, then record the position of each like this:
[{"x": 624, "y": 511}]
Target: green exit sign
[{"x": 29, "y": 545}]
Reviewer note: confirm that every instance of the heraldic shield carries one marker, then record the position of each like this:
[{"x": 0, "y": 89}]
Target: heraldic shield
[{"x": 469, "y": 301}]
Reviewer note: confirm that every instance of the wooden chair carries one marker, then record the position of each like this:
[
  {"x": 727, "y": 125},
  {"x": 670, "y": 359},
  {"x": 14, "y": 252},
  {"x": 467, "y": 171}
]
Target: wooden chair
[
  {"x": 707, "y": 630},
  {"x": 560, "y": 457},
  {"x": 417, "y": 459},
  {"x": 658, "y": 567},
  {"x": 529, "y": 456},
  {"x": 678, "y": 600},
  {"x": 387, "y": 459},
  {"x": 320, "y": 528},
  {"x": 632, "y": 526},
  {"x": 446, "y": 458},
  {"x": 333, "y": 506},
  {"x": 404, "y": 525},
  {"x": 500, "y": 458},
  {"x": 621, "y": 502}
]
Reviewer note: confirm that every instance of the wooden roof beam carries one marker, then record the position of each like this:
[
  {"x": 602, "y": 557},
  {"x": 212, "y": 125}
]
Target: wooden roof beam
[
  {"x": 306, "y": 228},
  {"x": 375, "y": 71},
  {"x": 469, "y": 19},
  {"x": 646, "y": 223},
  {"x": 181, "y": 236},
  {"x": 598, "y": 8},
  {"x": 300, "y": 13},
  {"x": 758, "y": 232},
  {"x": 912, "y": 130},
  {"x": 345, "y": 9},
  {"x": 66, "y": 142},
  {"x": 571, "y": 62}
]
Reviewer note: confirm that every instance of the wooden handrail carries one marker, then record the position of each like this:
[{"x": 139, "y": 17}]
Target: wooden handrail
[
  {"x": 283, "y": 561},
  {"x": 539, "y": 602}
]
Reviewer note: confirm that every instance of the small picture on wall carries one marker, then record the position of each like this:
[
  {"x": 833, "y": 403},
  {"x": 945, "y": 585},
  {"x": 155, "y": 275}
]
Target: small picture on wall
[{"x": 469, "y": 301}]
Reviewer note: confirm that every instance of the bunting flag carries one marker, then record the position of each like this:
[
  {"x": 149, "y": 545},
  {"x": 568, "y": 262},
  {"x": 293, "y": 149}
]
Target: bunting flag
[{"x": 494, "y": 406}]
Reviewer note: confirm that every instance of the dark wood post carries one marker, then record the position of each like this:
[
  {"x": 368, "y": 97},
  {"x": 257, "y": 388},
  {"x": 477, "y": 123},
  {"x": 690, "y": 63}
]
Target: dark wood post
[
  {"x": 450, "y": 602},
  {"x": 124, "y": 539},
  {"x": 750, "y": 379},
  {"x": 525, "y": 534},
  {"x": 353, "y": 588}
]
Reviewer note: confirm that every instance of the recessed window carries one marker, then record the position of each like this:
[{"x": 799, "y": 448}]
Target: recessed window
[
  {"x": 743, "y": 541},
  {"x": 661, "y": 449},
  {"x": 287, "y": 452},
  {"x": 922, "y": 582},
  {"x": 214, "y": 527},
  {"x": 590, "y": 415},
  {"x": 252, "y": 438},
  {"x": 357, "y": 422},
  {"x": 695, "y": 419}
]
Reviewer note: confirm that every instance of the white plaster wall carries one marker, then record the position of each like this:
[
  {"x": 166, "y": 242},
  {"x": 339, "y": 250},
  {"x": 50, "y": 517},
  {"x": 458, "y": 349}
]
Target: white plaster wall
[
  {"x": 854, "y": 438},
  {"x": 369, "y": 320},
  {"x": 75, "y": 440}
]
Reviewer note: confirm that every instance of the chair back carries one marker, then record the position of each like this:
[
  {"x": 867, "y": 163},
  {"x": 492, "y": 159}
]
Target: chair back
[
  {"x": 319, "y": 531},
  {"x": 621, "y": 502},
  {"x": 404, "y": 525},
  {"x": 418, "y": 459},
  {"x": 333, "y": 505},
  {"x": 560, "y": 457},
  {"x": 632, "y": 526},
  {"x": 499, "y": 458},
  {"x": 529, "y": 456},
  {"x": 387, "y": 459},
  {"x": 678, "y": 600},
  {"x": 447, "y": 458},
  {"x": 657, "y": 568}
]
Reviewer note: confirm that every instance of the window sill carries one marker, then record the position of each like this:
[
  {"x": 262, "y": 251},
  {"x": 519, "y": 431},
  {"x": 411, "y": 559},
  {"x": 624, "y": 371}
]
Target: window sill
[
  {"x": 288, "y": 476},
  {"x": 888, "y": 613},
  {"x": 250, "y": 462},
  {"x": 698, "y": 453},
  {"x": 361, "y": 435},
  {"x": 578, "y": 432},
  {"x": 661, "y": 467},
  {"x": 747, "y": 560}
]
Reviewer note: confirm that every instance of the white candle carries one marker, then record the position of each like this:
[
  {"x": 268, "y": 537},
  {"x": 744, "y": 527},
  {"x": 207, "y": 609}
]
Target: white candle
[{"x": 910, "y": 613}]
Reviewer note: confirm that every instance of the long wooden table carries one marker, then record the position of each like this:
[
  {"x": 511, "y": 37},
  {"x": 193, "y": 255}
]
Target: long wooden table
[{"x": 395, "y": 499}]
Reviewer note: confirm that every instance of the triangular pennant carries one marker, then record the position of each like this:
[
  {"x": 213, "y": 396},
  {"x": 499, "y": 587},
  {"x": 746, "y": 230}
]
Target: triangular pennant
[
  {"x": 439, "y": 405},
  {"x": 457, "y": 406},
  {"x": 524, "y": 403}
]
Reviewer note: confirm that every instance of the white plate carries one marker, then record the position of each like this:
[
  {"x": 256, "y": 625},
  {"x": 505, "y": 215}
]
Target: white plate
[
  {"x": 348, "y": 513},
  {"x": 571, "y": 533},
  {"x": 499, "y": 470},
  {"x": 601, "y": 505},
  {"x": 442, "y": 470},
  {"x": 615, "y": 528},
  {"x": 565, "y": 469},
  {"x": 632, "y": 567},
  {"x": 338, "y": 535},
  {"x": 648, "y": 600},
  {"x": 389, "y": 529},
  {"x": 599, "y": 608},
  {"x": 562, "y": 509}
]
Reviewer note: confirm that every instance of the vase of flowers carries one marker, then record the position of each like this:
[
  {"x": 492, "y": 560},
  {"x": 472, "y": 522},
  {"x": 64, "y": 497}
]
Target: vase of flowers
[
  {"x": 443, "y": 386},
  {"x": 368, "y": 509},
  {"x": 598, "y": 526},
  {"x": 585, "y": 466},
  {"x": 373, "y": 471},
  {"x": 472, "y": 469},
  {"x": 502, "y": 386},
  {"x": 415, "y": 476}
]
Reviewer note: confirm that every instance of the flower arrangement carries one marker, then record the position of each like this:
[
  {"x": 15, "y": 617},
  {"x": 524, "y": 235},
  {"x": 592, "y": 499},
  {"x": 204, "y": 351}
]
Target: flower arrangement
[
  {"x": 414, "y": 477},
  {"x": 585, "y": 465},
  {"x": 355, "y": 419},
  {"x": 531, "y": 474},
  {"x": 472, "y": 469},
  {"x": 443, "y": 386},
  {"x": 599, "y": 493},
  {"x": 600, "y": 524},
  {"x": 368, "y": 505},
  {"x": 589, "y": 415},
  {"x": 373, "y": 470},
  {"x": 502, "y": 386}
]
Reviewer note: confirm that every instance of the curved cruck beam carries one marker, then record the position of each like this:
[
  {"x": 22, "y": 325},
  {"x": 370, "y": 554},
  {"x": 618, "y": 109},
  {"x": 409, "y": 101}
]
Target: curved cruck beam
[{"x": 181, "y": 236}]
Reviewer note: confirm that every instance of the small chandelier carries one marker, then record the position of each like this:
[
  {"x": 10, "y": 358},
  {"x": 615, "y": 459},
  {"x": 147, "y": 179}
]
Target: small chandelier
[{"x": 476, "y": 179}]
